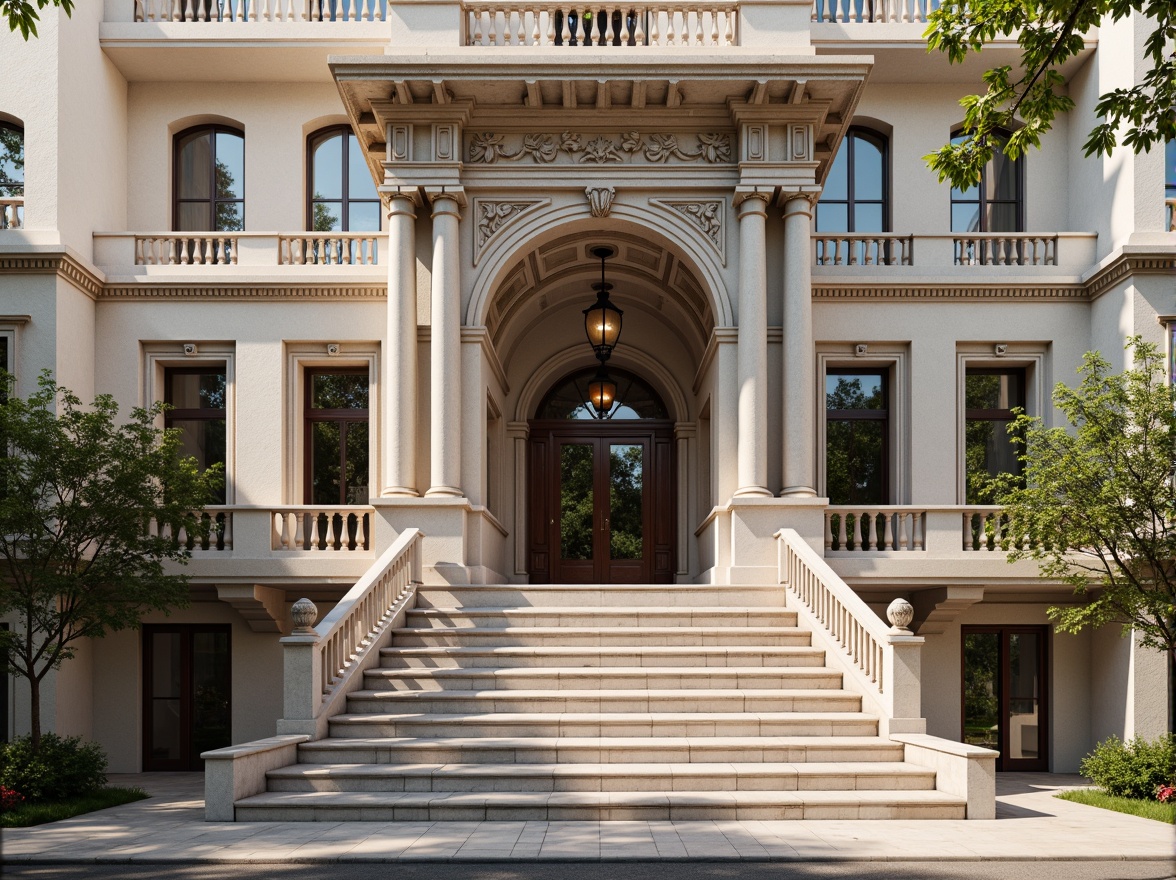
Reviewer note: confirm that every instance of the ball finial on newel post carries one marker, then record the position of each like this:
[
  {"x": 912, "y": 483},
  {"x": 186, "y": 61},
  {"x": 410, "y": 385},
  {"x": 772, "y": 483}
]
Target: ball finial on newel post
[
  {"x": 305, "y": 613},
  {"x": 900, "y": 614}
]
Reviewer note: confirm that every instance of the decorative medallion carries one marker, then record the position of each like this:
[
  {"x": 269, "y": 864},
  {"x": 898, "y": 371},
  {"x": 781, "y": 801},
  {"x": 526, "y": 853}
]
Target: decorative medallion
[{"x": 487, "y": 148}]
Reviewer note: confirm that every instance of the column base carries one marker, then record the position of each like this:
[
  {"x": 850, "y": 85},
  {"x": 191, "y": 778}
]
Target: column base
[
  {"x": 798, "y": 492},
  {"x": 443, "y": 492},
  {"x": 752, "y": 492},
  {"x": 400, "y": 492}
]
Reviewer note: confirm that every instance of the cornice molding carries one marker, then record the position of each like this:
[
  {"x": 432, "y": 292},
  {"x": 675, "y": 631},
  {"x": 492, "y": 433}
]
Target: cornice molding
[
  {"x": 60, "y": 264},
  {"x": 1126, "y": 265},
  {"x": 949, "y": 293},
  {"x": 243, "y": 292}
]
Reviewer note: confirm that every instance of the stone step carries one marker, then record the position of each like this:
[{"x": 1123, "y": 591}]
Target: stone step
[
  {"x": 846, "y": 776},
  {"x": 606, "y": 701},
  {"x": 599, "y": 596},
  {"x": 461, "y": 748},
  {"x": 524, "y": 636},
  {"x": 596, "y": 656},
  {"x": 629, "y": 724},
  {"x": 597, "y": 805},
  {"x": 512, "y": 678},
  {"x": 598, "y": 617}
]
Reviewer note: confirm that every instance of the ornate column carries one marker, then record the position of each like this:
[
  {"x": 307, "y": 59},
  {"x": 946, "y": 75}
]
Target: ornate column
[
  {"x": 799, "y": 370},
  {"x": 400, "y": 355},
  {"x": 752, "y": 357},
  {"x": 445, "y": 347}
]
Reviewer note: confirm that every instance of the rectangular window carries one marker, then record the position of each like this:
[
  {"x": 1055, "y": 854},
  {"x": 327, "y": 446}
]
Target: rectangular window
[
  {"x": 857, "y": 436},
  {"x": 990, "y": 396},
  {"x": 337, "y": 437},
  {"x": 197, "y": 397}
]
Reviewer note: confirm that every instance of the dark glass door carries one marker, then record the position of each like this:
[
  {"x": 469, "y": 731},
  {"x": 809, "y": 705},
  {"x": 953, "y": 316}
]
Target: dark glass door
[
  {"x": 187, "y": 706},
  {"x": 1004, "y": 694},
  {"x": 601, "y": 504}
]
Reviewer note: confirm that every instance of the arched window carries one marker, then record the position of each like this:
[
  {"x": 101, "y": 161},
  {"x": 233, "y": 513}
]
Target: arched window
[
  {"x": 341, "y": 195},
  {"x": 856, "y": 197},
  {"x": 12, "y": 175},
  {"x": 1170, "y": 184},
  {"x": 998, "y": 203},
  {"x": 209, "y": 179},
  {"x": 635, "y": 399}
]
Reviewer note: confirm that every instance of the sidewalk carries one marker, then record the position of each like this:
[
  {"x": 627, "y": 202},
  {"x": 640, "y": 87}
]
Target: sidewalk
[{"x": 1031, "y": 825}]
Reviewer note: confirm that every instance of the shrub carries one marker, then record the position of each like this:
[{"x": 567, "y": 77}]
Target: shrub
[
  {"x": 63, "y": 768},
  {"x": 10, "y": 799},
  {"x": 1134, "y": 769}
]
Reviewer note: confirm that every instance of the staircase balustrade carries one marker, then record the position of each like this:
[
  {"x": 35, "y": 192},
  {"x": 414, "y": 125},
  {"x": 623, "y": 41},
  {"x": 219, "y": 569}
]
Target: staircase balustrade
[
  {"x": 12, "y": 212},
  {"x": 641, "y": 23},
  {"x": 325, "y": 662},
  {"x": 327, "y": 528},
  {"x": 890, "y": 528},
  {"x": 884, "y": 661},
  {"x": 228, "y": 11}
]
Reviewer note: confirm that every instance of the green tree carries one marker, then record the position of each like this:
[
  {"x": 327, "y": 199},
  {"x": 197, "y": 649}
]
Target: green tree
[
  {"x": 22, "y": 14},
  {"x": 78, "y": 489},
  {"x": 1025, "y": 100},
  {"x": 12, "y": 162},
  {"x": 1098, "y": 500}
]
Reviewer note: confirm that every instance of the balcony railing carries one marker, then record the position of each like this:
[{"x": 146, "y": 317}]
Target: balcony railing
[
  {"x": 1170, "y": 204},
  {"x": 947, "y": 531},
  {"x": 640, "y": 23},
  {"x": 228, "y": 11},
  {"x": 1073, "y": 249},
  {"x": 867, "y": 11},
  {"x": 309, "y": 527},
  {"x": 12, "y": 212},
  {"x": 238, "y": 249}
]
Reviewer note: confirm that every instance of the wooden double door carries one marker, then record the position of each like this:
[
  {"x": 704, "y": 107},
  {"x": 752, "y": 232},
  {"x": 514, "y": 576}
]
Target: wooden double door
[{"x": 601, "y": 502}]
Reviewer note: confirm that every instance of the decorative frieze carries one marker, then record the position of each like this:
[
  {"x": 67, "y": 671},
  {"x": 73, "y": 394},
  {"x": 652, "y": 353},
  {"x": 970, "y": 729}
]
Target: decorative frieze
[{"x": 488, "y": 148}]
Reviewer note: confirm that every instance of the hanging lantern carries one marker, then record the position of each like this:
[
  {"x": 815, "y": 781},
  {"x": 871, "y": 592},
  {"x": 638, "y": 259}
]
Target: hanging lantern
[
  {"x": 602, "y": 320},
  {"x": 602, "y": 393}
]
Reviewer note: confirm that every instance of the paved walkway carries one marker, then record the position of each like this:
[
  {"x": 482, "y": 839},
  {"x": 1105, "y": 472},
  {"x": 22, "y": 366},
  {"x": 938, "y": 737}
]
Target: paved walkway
[{"x": 1031, "y": 824}]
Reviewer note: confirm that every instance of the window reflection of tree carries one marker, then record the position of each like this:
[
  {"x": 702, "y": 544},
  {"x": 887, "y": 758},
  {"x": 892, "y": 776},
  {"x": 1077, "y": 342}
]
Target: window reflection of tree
[
  {"x": 855, "y": 441},
  {"x": 576, "y": 501},
  {"x": 626, "y": 481}
]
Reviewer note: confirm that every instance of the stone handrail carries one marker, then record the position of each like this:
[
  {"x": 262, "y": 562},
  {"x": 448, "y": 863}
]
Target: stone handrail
[
  {"x": 313, "y": 527},
  {"x": 631, "y": 23},
  {"x": 12, "y": 212},
  {"x": 226, "y": 11},
  {"x": 865, "y": 249},
  {"x": 329, "y": 248},
  {"x": 325, "y": 662},
  {"x": 883, "y": 661},
  {"x": 867, "y": 11},
  {"x": 876, "y": 527}
]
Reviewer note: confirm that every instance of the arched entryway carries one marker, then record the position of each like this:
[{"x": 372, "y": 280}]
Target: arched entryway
[{"x": 601, "y": 490}]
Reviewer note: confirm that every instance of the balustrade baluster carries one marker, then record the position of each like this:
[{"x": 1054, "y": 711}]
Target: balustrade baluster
[
  {"x": 901, "y": 539},
  {"x": 886, "y": 533},
  {"x": 829, "y": 530},
  {"x": 841, "y": 544}
]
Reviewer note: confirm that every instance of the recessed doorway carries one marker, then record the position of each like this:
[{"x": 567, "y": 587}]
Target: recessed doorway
[
  {"x": 1004, "y": 694},
  {"x": 601, "y": 493}
]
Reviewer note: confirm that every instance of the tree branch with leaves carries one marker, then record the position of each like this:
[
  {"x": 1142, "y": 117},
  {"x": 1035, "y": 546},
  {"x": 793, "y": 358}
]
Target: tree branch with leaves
[{"x": 22, "y": 14}]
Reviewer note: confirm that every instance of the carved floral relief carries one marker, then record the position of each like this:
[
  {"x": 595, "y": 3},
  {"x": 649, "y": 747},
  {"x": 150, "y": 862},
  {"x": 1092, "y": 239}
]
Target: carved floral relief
[{"x": 487, "y": 148}]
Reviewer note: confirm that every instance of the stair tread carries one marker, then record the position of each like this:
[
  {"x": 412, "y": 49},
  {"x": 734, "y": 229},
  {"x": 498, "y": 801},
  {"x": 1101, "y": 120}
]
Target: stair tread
[
  {"x": 606, "y": 717},
  {"x": 624, "y": 630},
  {"x": 849, "y": 796},
  {"x": 572, "y": 650},
  {"x": 605, "y": 742},
  {"x": 604, "y": 693},
  {"x": 848, "y": 768},
  {"x": 610, "y": 671}
]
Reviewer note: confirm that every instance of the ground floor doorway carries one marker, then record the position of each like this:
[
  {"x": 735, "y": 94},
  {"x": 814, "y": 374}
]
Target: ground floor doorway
[
  {"x": 187, "y": 705},
  {"x": 1004, "y": 694}
]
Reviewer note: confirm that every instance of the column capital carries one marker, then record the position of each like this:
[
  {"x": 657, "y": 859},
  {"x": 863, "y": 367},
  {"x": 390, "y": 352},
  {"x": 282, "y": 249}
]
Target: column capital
[
  {"x": 794, "y": 200},
  {"x": 403, "y": 201},
  {"x": 752, "y": 199},
  {"x": 440, "y": 197}
]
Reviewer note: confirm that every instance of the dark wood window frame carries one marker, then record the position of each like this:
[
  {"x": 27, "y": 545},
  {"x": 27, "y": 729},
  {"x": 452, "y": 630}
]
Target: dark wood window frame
[
  {"x": 981, "y": 199},
  {"x": 212, "y": 200},
  {"x": 882, "y": 143},
  {"x": 976, "y": 414},
  {"x": 194, "y": 414},
  {"x": 345, "y": 416},
  {"x": 312, "y": 141},
  {"x": 1003, "y": 762},
  {"x": 187, "y": 630},
  {"x": 848, "y": 415}
]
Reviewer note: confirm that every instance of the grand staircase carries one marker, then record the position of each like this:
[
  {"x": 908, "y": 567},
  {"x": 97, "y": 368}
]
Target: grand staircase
[{"x": 586, "y": 702}]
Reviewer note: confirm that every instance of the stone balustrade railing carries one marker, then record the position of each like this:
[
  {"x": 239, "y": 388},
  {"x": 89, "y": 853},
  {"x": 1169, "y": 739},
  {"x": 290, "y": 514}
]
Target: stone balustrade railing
[
  {"x": 229, "y": 11},
  {"x": 631, "y": 23},
  {"x": 868, "y": 11},
  {"x": 869, "y": 249},
  {"x": 883, "y": 528},
  {"x": 884, "y": 661},
  {"x": 179, "y": 251},
  {"x": 1075, "y": 250},
  {"x": 323, "y": 663},
  {"x": 12, "y": 212},
  {"x": 1170, "y": 207},
  {"x": 989, "y": 530},
  {"x": 324, "y": 528},
  {"x": 217, "y": 518},
  {"x": 329, "y": 248}
]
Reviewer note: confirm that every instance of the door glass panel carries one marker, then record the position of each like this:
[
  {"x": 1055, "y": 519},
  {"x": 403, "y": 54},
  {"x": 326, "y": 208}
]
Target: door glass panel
[
  {"x": 625, "y": 484},
  {"x": 210, "y": 692},
  {"x": 166, "y": 672},
  {"x": 982, "y": 689},
  {"x": 356, "y": 487},
  {"x": 1024, "y": 723},
  {"x": 576, "y": 500},
  {"x": 324, "y": 476}
]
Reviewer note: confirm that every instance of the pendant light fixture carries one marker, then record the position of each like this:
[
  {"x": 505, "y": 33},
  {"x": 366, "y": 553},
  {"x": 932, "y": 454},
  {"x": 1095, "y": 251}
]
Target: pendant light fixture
[{"x": 602, "y": 320}]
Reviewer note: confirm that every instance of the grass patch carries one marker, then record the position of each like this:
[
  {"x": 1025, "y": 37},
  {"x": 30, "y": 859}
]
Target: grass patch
[
  {"x": 1132, "y": 806},
  {"x": 38, "y": 814}
]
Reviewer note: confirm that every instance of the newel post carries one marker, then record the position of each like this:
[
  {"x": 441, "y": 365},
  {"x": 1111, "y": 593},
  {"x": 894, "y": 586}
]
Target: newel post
[
  {"x": 301, "y": 672},
  {"x": 901, "y": 672}
]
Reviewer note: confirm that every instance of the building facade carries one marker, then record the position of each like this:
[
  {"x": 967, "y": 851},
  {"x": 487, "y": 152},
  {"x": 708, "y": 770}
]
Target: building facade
[{"x": 352, "y": 243}]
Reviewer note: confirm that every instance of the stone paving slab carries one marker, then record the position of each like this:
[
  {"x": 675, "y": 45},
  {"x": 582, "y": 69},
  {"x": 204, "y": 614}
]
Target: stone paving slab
[{"x": 1031, "y": 825}]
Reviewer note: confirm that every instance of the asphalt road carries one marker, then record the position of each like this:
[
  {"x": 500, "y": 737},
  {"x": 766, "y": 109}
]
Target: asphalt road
[{"x": 985, "y": 870}]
